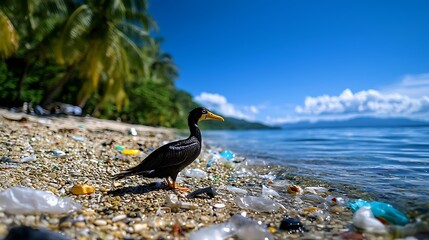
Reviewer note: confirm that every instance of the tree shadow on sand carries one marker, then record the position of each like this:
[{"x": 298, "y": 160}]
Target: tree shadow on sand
[{"x": 141, "y": 189}]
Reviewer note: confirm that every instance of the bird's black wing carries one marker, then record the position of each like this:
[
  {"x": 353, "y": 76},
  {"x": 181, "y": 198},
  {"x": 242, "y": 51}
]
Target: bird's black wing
[{"x": 173, "y": 154}]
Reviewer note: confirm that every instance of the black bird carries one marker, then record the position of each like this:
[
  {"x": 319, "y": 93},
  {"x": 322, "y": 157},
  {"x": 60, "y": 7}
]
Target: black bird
[{"x": 168, "y": 160}]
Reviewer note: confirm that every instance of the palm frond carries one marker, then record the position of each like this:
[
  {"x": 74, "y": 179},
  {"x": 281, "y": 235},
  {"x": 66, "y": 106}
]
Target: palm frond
[
  {"x": 135, "y": 33},
  {"x": 9, "y": 41},
  {"x": 71, "y": 43}
]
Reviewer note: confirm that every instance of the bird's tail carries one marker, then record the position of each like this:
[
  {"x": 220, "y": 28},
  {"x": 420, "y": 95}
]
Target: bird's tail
[{"x": 123, "y": 174}]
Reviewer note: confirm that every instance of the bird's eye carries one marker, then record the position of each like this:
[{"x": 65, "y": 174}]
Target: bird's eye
[{"x": 204, "y": 111}]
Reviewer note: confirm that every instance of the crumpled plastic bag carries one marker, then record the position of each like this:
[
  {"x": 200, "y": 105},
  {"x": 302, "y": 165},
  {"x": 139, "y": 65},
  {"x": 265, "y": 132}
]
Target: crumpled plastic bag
[
  {"x": 239, "y": 226},
  {"x": 259, "y": 204},
  {"x": 266, "y": 192},
  {"x": 248, "y": 229},
  {"x": 364, "y": 219},
  {"x": 214, "y": 232},
  {"x": 21, "y": 200}
]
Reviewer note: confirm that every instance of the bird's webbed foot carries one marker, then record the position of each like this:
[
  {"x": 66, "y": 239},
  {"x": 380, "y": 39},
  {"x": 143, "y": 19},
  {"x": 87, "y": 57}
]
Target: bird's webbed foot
[{"x": 173, "y": 186}]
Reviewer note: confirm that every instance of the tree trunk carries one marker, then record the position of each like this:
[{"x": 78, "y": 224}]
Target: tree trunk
[
  {"x": 21, "y": 82},
  {"x": 56, "y": 89}
]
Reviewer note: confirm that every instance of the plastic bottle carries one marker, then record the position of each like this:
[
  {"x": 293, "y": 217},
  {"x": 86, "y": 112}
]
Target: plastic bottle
[
  {"x": 195, "y": 173},
  {"x": 257, "y": 203},
  {"x": 228, "y": 155},
  {"x": 382, "y": 210},
  {"x": 236, "y": 190}
]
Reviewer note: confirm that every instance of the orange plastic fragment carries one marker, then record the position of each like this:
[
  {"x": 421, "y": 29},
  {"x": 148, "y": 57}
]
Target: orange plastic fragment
[{"x": 82, "y": 189}]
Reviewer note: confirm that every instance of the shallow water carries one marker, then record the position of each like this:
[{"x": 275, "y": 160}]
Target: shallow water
[{"x": 392, "y": 163}]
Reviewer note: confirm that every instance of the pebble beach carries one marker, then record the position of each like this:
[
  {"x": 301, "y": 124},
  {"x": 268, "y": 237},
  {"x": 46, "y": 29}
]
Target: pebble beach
[{"x": 56, "y": 155}]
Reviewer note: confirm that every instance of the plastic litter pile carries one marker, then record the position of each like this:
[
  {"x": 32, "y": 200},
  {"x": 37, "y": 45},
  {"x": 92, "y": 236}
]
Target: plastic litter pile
[{"x": 369, "y": 217}]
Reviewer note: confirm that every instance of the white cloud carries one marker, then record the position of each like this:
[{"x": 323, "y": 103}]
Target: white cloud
[
  {"x": 369, "y": 102},
  {"x": 412, "y": 85},
  {"x": 220, "y": 104},
  {"x": 309, "y": 118}
]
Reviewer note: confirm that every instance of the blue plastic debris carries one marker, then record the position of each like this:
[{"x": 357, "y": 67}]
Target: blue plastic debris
[
  {"x": 58, "y": 153},
  {"x": 228, "y": 155},
  {"x": 78, "y": 138},
  {"x": 119, "y": 148},
  {"x": 382, "y": 211},
  {"x": 210, "y": 163}
]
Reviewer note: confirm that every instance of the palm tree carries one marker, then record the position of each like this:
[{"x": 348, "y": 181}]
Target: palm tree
[
  {"x": 10, "y": 39},
  {"x": 161, "y": 66},
  {"x": 100, "y": 43},
  {"x": 32, "y": 23}
]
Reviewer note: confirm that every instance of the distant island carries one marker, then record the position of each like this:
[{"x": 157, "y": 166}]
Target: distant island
[
  {"x": 231, "y": 123},
  {"x": 358, "y": 122}
]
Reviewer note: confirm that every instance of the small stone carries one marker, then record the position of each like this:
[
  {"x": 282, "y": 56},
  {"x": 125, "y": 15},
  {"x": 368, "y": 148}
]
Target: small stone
[
  {"x": 337, "y": 209},
  {"x": 118, "y": 234},
  {"x": 205, "y": 218},
  {"x": 65, "y": 224},
  {"x": 189, "y": 225},
  {"x": 100, "y": 222},
  {"x": 149, "y": 235},
  {"x": 209, "y": 191},
  {"x": 309, "y": 210},
  {"x": 80, "y": 224},
  {"x": 29, "y": 220},
  {"x": 219, "y": 205},
  {"x": 3, "y": 230},
  {"x": 52, "y": 175},
  {"x": 291, "y": 225},
  {"x": 54, "y": 221},
  {"x": 119, "y": 218},
  {"x": 88, "y": 212},
  {"x": 134, "y": 214},
  {"x": 138, "y": 227}
]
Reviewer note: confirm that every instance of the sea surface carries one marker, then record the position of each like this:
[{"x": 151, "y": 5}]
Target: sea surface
[{"x": 392, "y": 163}]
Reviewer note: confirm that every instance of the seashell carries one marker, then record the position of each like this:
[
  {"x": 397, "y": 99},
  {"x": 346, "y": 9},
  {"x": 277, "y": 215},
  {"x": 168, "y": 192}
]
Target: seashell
[{"x": 294, "y": 190}]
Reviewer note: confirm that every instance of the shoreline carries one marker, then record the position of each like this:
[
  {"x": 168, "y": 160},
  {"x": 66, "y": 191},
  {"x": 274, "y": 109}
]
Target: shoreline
[{"x": 139, "y": 208}]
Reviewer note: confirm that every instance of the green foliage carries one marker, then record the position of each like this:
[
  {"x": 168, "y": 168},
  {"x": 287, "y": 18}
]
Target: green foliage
[
  {"x": 94, "y": 53},
  {"x": 8, "y": 85},
  {"x": 152, "y": 104}
]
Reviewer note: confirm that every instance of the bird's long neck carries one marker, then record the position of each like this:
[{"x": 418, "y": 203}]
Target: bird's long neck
[{"x": 195, "y": 130}]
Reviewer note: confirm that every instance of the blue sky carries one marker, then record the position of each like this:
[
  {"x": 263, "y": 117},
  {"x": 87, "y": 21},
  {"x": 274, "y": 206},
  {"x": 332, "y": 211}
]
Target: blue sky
[{"x": 281, "y": 61}]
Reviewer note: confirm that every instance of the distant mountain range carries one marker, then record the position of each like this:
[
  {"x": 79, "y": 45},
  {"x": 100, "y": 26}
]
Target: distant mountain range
[
  {"x": 233, "y": 124},
  {"x": 359, "y": 122}
]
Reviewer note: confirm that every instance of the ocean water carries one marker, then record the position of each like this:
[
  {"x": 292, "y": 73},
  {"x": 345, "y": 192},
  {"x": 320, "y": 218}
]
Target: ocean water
[{"x": 392, "y": 163}]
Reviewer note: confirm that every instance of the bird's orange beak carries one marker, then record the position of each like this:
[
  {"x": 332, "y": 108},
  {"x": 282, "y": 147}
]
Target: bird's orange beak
[{"x": 212, "y": 116}]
